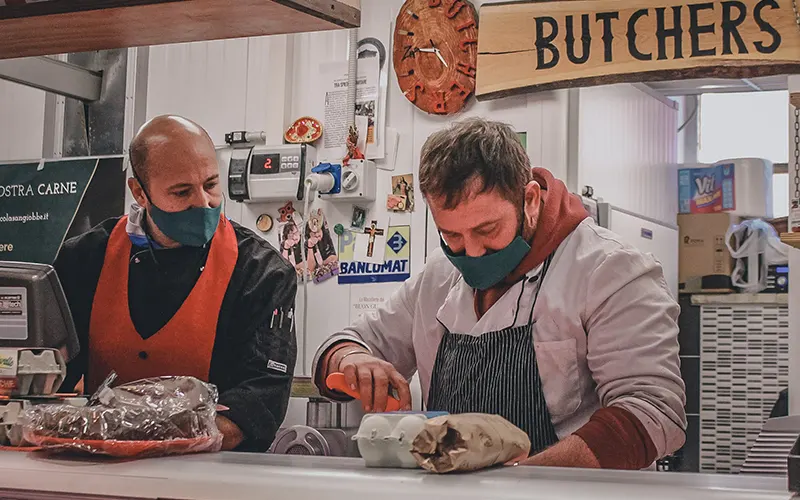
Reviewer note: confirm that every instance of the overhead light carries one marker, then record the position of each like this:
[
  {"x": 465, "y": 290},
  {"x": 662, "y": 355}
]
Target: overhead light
[{"x": 712, "y": 87}]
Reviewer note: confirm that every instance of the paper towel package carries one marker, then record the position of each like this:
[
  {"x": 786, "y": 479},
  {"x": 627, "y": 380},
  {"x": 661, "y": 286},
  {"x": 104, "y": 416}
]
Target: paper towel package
[{"x": 740, "y": 186}]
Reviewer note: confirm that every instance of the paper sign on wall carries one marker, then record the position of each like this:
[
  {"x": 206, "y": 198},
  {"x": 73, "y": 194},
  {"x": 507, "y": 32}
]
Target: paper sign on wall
[
  {"x": 396, "y": 265},
  {"x": 401, "y": 198},
  {"x": 333, "y": 80},
  {"x": 368, "y": 298}
]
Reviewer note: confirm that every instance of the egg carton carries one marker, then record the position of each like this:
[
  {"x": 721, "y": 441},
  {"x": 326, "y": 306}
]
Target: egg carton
[
  {"x": 10, "y": 431},
  {"x": 31, "y": 371},
  {"x": 384, "y": 439}
]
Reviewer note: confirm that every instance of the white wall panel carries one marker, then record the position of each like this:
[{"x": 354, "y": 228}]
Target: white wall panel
[
  {"x": 203, "y": 81},
  {"x": 21, "y": 122},
  {"x": 628, "y": 150}
]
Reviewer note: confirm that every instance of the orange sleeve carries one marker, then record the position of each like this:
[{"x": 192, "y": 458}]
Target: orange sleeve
[{"x": 618, "y": 439}]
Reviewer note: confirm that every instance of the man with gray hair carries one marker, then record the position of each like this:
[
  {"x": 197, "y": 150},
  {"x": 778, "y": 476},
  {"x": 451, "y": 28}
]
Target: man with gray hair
[{"x": 530, "y": 311}]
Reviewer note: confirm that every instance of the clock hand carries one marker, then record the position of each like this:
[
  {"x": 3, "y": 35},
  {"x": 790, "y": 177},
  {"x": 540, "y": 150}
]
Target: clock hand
[
  {"x": 436, "y": 51},
  {"x": 439, "y": 55},
  {"x": 429, "y": 50}
]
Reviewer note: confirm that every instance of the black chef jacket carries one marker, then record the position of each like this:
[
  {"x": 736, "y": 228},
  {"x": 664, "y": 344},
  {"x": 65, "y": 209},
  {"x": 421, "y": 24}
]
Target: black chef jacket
[{"x": 247, "y": 336}]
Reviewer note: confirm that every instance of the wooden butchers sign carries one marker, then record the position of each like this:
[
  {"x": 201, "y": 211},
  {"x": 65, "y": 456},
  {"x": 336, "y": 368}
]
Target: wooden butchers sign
[{"x": 539, "y": 45}]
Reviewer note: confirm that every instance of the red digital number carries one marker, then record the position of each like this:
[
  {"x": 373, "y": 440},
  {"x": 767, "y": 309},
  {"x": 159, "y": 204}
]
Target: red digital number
[{"x": 268, "y": 164}]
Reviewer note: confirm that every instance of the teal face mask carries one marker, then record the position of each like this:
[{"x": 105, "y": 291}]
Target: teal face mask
[
  {"x": 193, "y": 227},
  {"x": 488, "y": 270}
]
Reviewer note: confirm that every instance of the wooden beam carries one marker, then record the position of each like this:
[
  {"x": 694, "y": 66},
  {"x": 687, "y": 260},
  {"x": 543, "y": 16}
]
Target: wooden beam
[
  {"x": 548, "y": 44},
  {"x": 83, "y": 25}
]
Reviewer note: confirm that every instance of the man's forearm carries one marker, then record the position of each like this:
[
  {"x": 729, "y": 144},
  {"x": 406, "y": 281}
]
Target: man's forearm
[
  {"x": 232, "y": 435},
  {"x": 341, "y": 351},
  {"x": 329, "y": 362},
  {"x": 569, "y": 452}
]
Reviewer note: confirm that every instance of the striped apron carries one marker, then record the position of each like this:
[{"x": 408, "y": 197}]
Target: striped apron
[{"x": 495, "y": 373}]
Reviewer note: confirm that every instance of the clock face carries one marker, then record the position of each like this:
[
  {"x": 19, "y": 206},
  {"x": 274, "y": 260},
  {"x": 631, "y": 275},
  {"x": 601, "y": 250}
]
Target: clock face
[{"x": 435, "y": 53}]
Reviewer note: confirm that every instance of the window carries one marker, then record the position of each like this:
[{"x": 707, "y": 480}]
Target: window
[{"x": 747, "y": 125}]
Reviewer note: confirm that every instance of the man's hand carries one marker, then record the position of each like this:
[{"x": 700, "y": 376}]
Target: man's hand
[
  {"x": 232, "y": 436},
  {"x": 371, "y": 377},
  {"x": 570, "y": 452}
]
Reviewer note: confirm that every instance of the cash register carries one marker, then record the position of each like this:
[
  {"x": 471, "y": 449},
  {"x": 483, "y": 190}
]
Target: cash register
[{"x": 37, "y": 340}]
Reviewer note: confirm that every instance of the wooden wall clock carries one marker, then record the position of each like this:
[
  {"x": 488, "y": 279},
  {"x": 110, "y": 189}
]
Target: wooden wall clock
[{"x": 435, "y": 53}]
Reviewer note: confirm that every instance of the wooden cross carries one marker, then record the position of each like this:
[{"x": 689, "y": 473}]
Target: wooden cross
[{"x": 372, "y": 231}]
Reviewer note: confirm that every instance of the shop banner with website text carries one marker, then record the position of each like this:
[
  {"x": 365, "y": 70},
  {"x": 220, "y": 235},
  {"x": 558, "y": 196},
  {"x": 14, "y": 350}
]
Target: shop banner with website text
[
  {"x": 38, "y": 202},
  {"x": 532, "y": 46}
]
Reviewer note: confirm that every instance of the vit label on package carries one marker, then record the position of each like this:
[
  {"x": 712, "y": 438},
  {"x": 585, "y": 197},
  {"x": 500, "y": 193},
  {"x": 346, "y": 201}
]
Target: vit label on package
[
  {"x": 13, "y": 313},
  {"x": 707, "y": 190}
]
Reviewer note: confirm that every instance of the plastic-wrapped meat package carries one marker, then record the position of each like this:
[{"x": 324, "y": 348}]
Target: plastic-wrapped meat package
[
  {"x": 467, "y": 442},
  {"x": 147, "y": 418}
]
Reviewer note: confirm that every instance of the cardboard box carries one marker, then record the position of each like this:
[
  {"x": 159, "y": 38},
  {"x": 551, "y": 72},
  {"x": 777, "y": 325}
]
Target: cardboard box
[{"x": 704, "y": 263}]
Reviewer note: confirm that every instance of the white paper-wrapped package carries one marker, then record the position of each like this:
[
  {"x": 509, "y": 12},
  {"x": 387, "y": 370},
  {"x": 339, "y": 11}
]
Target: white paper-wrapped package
[{"x": 467, "y": 442}]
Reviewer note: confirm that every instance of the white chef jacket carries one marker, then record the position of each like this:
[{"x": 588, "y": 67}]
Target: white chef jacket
[{"x": 606, "y": 331}]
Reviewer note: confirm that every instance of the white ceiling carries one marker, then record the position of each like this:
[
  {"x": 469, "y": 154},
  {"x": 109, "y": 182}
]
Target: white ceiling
[{"x": 717, "y": 85}]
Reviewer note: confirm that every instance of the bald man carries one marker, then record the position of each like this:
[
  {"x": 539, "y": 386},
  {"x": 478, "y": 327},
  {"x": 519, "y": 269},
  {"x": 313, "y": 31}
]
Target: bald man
[{"x": 175, "y": 288}]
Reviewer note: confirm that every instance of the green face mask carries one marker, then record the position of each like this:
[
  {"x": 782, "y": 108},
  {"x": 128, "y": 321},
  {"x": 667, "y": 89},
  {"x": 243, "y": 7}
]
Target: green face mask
[
  {"x": 488, "y": 270},
  {"x": 193, "y": 227}
]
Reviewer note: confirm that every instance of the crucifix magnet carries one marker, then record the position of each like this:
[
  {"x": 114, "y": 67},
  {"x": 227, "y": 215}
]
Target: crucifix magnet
[{"x": 371, "y": 243}]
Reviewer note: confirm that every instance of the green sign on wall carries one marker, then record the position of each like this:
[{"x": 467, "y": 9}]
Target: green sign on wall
[
  {"x": 37, "y": 206},
  {"x": 523, "y": 138}
]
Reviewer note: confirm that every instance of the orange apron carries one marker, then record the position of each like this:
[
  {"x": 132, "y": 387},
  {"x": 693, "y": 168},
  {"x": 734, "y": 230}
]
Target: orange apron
[{"x": 184, "y": 345}]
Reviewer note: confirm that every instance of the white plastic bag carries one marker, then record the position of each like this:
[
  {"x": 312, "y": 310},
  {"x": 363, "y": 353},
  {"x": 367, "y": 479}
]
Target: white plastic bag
[{"x": 755, "y": 245}]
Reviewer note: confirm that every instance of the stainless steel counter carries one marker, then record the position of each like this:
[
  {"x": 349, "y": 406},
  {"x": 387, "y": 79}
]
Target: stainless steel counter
[{"x": 255, "y": 476}]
